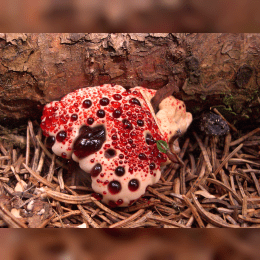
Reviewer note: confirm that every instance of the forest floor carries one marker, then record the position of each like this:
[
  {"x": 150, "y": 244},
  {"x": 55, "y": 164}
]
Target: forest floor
[{"x": 218, "y": 186}]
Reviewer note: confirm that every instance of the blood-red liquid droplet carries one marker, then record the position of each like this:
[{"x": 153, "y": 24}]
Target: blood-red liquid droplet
[
  {"x": 84, "y": 129},
  {"x": 89, "y": 141},
  {"x": 110, "y": 153},
  {"x": 96, "y": 170},
  {"x": 114, "y": 137},
  {"x": 142, "y": 156},
  {"x": 97, "y": 196},
  {"x": 90, "y": 120},
  {"x": 127, "y": 124},
  {"x": 101, "y": 113},
  {"x": 60, "y": 137},
  {"x": 114, "y": 187},
  {"x": 112, "y": 204},
  {"x": 119, "y": 202},
  {"x": 149, "y": 139},
  {"x": 63, "y": 155},
  {"x": 74, "y": 117},
  {"x": 104, "y": 101},
  {"x": 135, "y": 101},
  {"x": 117, "y": 113},
  {"x": 87, "y": 103},
  {"x": 120, "y": 171},
  {"x": 133, "y": 185},
  {"x": 50, "y": 141},
  {"x": 140, "y": 122},
  {"x": 117, "y": 97},
  {"x": 152, "y": 166},
  {"x": 160, "y": 157}
]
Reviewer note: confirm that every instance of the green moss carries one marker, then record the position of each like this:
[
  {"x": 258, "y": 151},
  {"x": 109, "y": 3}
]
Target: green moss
[
  {"x": 228, "y": 100},
  {"x": 246, "y": 116},
  {"x": 227, "y": 112},
  {"x": 203, "y": 97}
]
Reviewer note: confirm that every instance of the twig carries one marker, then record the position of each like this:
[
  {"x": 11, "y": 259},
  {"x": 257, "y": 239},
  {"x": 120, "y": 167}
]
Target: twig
[
  {"x": 107, "y": 209},
  {"x": 226, "y": 188},
  {"x": 213, "y": 219},
  {"x": 70, "y": 199},
  {"x": 49, "y": 154},
  {"x": 227, "y": 158},
  {"x": 164, "y": 220},
  {"x": 39, "y": 178},
  {"x": 9, "y": 215},
  {"x": 243, "y": 138},
  {"x": 194, "y": 211},
  {"x": 204, "y": 152},
  {"x": 127, "y": 220},
  {"x": 230, "y": 125}
]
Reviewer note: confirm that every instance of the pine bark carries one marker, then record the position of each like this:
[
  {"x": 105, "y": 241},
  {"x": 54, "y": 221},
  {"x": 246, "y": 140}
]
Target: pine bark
[{"x": 204, "y": 70}]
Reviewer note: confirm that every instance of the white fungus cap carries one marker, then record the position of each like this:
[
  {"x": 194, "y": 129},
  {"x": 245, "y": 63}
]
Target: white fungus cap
[{"x": 112, "y": 132}]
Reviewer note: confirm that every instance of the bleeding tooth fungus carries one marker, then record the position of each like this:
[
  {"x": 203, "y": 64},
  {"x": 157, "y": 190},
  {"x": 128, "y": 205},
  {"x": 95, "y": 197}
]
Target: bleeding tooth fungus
[{"x": 112, "y": 132}]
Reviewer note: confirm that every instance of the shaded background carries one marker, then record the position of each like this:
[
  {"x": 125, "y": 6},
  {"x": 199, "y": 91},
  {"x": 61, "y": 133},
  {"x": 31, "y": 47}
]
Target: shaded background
[
  {"x": 134, "y": 16},
  {"x": 135, "y": 244},
  {"x": 130, "y": 15}
]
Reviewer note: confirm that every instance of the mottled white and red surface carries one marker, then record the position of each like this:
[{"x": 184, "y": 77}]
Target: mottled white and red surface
[{"x": 112, "y": 133}]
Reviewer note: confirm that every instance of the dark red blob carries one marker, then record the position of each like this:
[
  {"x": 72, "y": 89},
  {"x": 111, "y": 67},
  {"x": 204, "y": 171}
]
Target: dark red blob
[
  {"x": 160, "y": 157},
  {"x": 127, "y": 124},
  {"x": 63, "y": 120},
  {"x": 87, "y": 103},
  {"x": 117, "y": 113},
  {"x": 149, "y": 139},
  {"x": 60, "y": 137},
  {"x": 142, "y": 156},
  {"x": 112, "y": 204},
  {"x": 97, "y": 196},
  {"x": 101, "y": 113},
  {"x": 50, "y": 141},
  {"x": 152, "y": 166},
  {"x": 74, "y": 117},
  {"x": 96, "y": 170},
  {"x": 84, "y": 129},
  {"x": 119, "y": 202},
  {"x": 110, "y": 153},
  {"x": 104, "y": 101},
  {"x": 120, "y": 171},
  {"x": 63, "y": 155},
  {"x": 134, "y": 101},
  {"x": 114, "y": 187},
  {"x": 127, "y": 92},
  {"x": 117, "y": 97},
  {"x": 90, "y": 120},
  {"x": 89, "y": 141},
  {"x": 133, "y": 185},
  {"x": 114, "y": 137},
  {"x": 140, "y": 122}
]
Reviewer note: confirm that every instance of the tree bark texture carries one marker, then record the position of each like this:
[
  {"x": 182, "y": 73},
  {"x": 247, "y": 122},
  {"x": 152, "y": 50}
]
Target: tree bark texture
[{"x": 211, "y": 69}]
